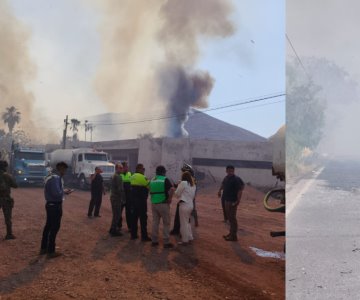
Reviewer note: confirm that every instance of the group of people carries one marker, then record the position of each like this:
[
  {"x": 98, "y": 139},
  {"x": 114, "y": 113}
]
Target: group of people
[{"x": 130, "y": 192}]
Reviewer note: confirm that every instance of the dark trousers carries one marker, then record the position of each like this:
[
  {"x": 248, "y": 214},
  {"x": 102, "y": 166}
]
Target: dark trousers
[
  {"x": 139, "y": 212},
  {"x": 176, "y": 228},
  {"x": 127, "y": 208},
  {"x": 116, "y": 214},
  {"x": 224, "y": 210},
  {"x": 7, "y": 211},
  {"x": 52, "y": 226},
  {"x": 95, "y": 202},
  {"x": 231, "y": 214}
]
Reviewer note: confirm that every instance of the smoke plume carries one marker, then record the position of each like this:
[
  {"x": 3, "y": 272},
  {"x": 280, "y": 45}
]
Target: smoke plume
[
  {"x": 149, "y": 55},
  {"x": 16, "y": 71}
]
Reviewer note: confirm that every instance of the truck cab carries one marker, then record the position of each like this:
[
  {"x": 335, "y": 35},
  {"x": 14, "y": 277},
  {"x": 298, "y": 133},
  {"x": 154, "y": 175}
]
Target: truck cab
[
  {"x": 84, "y": 162},
  {"x": 28, "y": 165}
]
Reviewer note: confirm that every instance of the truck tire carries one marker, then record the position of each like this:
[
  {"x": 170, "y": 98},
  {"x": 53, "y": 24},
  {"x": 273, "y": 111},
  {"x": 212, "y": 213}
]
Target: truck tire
[{"x": 82, "y": 182}]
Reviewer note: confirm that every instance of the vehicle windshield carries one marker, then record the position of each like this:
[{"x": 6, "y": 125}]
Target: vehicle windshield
[
  {"x": 96, "y": 156},
  {"x": 30, "y": 155}
]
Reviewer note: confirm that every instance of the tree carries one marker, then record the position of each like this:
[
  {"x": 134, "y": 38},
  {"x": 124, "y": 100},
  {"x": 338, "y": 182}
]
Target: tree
[
  {"x": 305, "y": 115},
  {"x": 11, "y": 117},
  {"x": 74, "y": 127}
]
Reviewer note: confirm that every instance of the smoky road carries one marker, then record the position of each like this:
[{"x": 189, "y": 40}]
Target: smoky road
[{"x": 323, "y": 234}]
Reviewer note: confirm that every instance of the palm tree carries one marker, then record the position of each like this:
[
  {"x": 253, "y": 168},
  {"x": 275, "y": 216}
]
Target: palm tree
[
  {"x": 74, "y": 127},
  {"x": 11, "y": 117}
]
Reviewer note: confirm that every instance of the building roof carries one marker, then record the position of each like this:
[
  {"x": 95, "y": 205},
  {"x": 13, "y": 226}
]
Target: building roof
[
  {"x": 199, "y": 126},
  {"x": 203, "y": 126}
]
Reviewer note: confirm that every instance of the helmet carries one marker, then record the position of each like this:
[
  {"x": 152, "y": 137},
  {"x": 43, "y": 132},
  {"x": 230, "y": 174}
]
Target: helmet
[{"x": 187, "y": 168}]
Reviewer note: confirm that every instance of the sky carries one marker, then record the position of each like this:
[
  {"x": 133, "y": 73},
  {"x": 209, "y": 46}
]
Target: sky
[
  {"x": 65, "y": 47},
  {"x": 327, "y": 29}
]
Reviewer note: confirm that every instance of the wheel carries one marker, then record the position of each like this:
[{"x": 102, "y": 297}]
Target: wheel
[
  {"x": 274, "y": 200},
  {"x": 82, "y": 182}
]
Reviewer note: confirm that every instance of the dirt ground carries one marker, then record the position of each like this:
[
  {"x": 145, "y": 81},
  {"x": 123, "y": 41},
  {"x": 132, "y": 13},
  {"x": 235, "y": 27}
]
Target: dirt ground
[{"x": 97, "y": 266}]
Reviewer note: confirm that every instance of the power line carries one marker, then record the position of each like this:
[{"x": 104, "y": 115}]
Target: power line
[
  {"x": 195, "y": 112},
  {"x": 293, "y": 48},
  {"x": 250, "y": 107}
]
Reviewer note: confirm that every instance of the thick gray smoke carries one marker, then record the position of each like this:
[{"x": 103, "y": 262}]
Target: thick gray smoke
[
  {"x": 183, "y": 90},
  {"x": 149, "y": 55}
]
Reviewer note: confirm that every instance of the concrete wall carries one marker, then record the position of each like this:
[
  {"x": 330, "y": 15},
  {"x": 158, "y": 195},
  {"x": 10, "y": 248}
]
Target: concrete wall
[{"x": 252, "y": 160}]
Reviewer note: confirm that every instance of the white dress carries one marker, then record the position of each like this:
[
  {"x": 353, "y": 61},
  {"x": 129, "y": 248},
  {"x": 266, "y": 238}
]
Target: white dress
[{"x": 186, "y": 193}]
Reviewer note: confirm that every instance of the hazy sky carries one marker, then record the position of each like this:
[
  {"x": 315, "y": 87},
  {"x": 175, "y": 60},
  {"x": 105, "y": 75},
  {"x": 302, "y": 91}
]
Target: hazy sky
[
  {"x": 328, "y": 29},
  {"x": 65, "y": 48}
]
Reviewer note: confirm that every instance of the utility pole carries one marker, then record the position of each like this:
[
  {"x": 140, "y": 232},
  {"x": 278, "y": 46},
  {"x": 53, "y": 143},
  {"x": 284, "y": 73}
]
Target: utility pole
[
  {"x": 65, "y": 131},
  {"x": 86, "y": 128}
]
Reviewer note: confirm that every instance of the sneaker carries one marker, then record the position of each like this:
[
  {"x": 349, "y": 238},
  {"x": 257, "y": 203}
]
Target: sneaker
[
  {"x": 134, "y": 238},
  {"x": 231, "y": 239},
  {"x": 42, "y": 251},
  {"x": 155, "y": 244},
  {"x": 146, "y": 239},
  {"x": 226, "y": 236},
  {"x": 54, "y": 254},
  {"x": 10, "y": 237},
  {"x": 97, "y": 216},
  {"x": 168, "y": 245}
]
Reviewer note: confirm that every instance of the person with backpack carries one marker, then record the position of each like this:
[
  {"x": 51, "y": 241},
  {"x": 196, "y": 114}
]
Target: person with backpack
[{"x": 6, "y": 201}]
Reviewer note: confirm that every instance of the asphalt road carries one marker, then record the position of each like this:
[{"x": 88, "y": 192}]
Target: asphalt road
[{"x": 323, "y": 234}]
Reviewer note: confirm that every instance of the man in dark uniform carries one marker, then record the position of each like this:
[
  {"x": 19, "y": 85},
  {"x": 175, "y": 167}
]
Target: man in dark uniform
[
  {"x": 54, "y": 195},
  {"x": 97, "y": 191},
  {"x": 6, "y": 202},
  {"x": 231, "y": 188},
  {"x": 125, "y": 176},
  {"x": 138, "y": 198},
  {"x": 117, "y": 199}
]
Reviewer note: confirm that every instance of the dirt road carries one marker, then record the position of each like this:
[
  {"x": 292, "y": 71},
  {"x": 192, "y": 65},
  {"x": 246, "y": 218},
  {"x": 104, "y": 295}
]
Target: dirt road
[{"x": 97, "y": 266}]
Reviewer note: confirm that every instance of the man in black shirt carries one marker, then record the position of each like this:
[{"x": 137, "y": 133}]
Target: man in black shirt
[
  {"x": 231, "y": 188},
  {"x": 97, "y": 191}
]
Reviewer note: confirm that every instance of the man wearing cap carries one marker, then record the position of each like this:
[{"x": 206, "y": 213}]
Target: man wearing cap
[
  {"x": 6, "y": 202},
  {"x": 161, "y": 191},
  {"x": 54, "y": 195},
  {"x": 97, "y": 191}
]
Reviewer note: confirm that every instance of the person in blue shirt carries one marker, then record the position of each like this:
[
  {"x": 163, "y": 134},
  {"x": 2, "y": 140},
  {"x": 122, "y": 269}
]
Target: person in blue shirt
[{"x": 54, "y": 195}]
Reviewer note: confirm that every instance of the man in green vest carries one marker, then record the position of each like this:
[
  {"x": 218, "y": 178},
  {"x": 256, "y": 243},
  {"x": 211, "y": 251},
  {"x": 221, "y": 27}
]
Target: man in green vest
[
  {"x": 126, "y": 175},
  {"x": 138, "y": 201},
  {"x": 161, "y": 192}
]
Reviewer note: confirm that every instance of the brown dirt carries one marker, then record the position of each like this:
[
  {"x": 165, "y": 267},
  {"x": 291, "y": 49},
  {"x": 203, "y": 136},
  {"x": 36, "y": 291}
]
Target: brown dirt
[{"x": 96, "y": 266}]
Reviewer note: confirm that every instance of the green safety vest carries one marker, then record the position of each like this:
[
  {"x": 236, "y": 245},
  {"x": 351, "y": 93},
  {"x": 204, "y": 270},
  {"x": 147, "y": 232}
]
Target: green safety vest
[
  {"x": 138, "y": 179},
  {"x": 157, "y": 189},
  {"x": 126, "y": 177}
]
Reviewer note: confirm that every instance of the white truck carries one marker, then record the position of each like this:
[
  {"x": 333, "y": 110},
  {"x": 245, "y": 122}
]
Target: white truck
[{"x": 82, "y": 163}]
